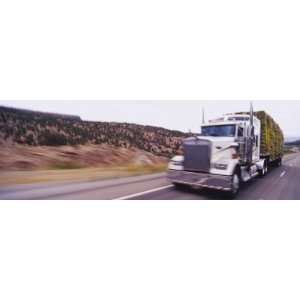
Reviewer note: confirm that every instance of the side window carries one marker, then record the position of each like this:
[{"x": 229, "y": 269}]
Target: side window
[
  {"x": 240, "y": 132},
  {"x": 256, "y": 140}
]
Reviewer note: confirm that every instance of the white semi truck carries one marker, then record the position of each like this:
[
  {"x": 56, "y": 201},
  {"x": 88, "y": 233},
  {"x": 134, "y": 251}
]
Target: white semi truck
[{"x": 230, "y": 150}]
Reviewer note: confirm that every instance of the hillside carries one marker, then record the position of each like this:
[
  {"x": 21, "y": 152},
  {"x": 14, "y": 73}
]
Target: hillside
[
  {"x": 25, "y": 127},
  {"x": 293, "y": 143},
  {"x": 20, "y": 157}
]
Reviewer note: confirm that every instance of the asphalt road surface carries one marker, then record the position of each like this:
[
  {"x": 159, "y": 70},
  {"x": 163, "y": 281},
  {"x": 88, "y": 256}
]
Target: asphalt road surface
[{"x": 280, "y": 183}]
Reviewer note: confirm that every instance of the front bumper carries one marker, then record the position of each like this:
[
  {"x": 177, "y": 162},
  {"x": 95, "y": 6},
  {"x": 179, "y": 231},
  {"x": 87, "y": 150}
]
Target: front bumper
[{"x": 206, "y": 180}]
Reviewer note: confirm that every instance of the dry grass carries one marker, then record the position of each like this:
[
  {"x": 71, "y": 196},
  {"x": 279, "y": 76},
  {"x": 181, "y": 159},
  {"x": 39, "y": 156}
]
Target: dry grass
[
  {"x": 65, "y": 165},
  {"x": 71, "y": 174},
  {"x": 26, "y": 164},
  {"x": 146, "y": 168}
]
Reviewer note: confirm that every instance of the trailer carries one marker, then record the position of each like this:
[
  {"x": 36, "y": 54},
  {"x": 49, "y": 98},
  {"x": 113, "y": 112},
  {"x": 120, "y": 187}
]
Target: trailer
[{"x": 271, "y": 138}]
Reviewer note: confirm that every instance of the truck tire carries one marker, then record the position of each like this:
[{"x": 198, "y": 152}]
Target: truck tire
[
  {"x": 235, "y": 184},
  {"x": 264, "y": 170},
  {"x": 279, "y": 162}
]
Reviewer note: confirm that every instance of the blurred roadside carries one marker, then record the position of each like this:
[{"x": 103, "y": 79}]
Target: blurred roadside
[{"x": 29, "y": 164}]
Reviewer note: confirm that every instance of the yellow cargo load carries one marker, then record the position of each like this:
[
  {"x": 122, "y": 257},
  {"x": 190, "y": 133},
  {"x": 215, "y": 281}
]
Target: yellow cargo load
[{"x": 272, "y": 139}]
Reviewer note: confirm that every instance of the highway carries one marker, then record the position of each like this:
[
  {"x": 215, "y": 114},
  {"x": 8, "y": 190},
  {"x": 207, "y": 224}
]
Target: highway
[{"x": 280, "y": 183}]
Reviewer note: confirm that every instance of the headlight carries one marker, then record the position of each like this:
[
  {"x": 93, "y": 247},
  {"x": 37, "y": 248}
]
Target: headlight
[
  {"x": 220, "y": 166},
  {"x": 176, "y": 163}
]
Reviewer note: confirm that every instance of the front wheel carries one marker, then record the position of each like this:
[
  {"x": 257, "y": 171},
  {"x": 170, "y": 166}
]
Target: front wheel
[{"x": 235, "y": 185}]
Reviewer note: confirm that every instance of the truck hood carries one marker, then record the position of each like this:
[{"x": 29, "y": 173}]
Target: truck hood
[{"x": 221, "y": 150}]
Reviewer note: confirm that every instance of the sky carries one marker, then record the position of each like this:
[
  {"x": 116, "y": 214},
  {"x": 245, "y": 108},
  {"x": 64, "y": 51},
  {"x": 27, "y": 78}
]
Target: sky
[{"x": 181, "y": 115}]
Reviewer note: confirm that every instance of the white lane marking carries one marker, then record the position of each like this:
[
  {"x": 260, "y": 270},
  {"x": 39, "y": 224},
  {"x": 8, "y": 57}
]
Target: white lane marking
[
  {"x": 282, "y": 174},
  {"x": 143, "y": 193}
]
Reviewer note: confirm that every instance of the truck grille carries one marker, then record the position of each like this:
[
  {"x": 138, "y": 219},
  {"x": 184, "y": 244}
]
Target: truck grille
[{"x": 196, "y": 155}]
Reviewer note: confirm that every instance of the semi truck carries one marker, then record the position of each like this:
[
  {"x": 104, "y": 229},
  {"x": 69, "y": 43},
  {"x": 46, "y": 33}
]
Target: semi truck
[{"x": 229, "y": 151}]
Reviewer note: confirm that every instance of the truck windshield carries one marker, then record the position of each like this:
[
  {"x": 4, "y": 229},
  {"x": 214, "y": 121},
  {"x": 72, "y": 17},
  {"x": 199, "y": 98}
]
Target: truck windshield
[{"x": 218, "y": 130}]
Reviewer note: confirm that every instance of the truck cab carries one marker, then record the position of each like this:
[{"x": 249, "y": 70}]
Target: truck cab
[{"x": 224, "y": 154}]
